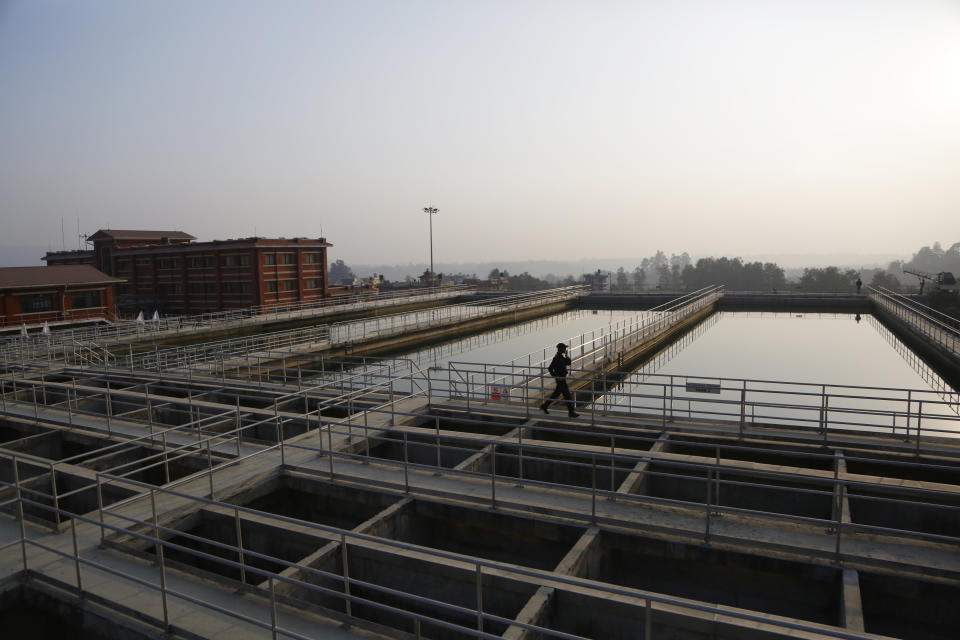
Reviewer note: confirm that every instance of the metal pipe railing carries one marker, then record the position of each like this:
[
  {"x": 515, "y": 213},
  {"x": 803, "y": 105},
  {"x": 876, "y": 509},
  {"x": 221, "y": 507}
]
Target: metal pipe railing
[
  {"x": 942, "y": 330},
  {"x": 131, "y": 327},
  {"x": 330, "y": 532}
]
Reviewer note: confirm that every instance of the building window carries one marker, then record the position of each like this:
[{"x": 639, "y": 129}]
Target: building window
[
  {"x": 168, "y": 263},
  {"x": 286, "y": 258},
  {"x": 202, "y": 288},
  {"x": 271, "y": 286},
  {"x": 289, "y": 285},
  {"x": 313, "y": 283},
  {"x": 106, "y": 260},
  {"x": 269, "y": 258},
  {"x": 177, "y": 288},
  {"x": 310, "y": 258},
  {"x": 143, "y": 262},
  {"x": 201, "y": 262},
  {"x": 123, "y": 265},
  {"x": 236, "y": 287},
  {"x": 236, "y": 260},
  {"x": 84, "y": 299},
  {"x": 36, "y": 302}
]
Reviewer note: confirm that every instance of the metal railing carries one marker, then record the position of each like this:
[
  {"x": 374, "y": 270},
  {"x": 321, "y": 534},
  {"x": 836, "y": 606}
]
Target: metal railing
[
  {"x": 742, "y": 402},
  {"x": 342, "y": 333},
  {"x": 608, "y": 344},
  {"x": 38, "y": 345},
  {"x": 266, "y": 601},
  {"x": 717, "y": 483},
  {"x": 726, "y": 466},
  {"x": 239, "y": 351},
  {"x": 151, "y": 534},
  {"x": 938, "y": 328}
]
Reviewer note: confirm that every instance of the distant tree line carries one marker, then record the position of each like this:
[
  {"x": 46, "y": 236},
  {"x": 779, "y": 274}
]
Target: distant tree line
[
  {"x": 829, "y": 280},
  {"x": 678, "y": 272},
  {"x": 735, "y": 274}
]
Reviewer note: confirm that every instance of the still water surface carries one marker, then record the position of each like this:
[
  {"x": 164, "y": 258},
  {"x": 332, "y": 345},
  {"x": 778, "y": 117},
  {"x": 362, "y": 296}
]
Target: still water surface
[
  {"x": 829, "y": 351},
  {"x": 779, "y": 355},
  {"x": 807, "y": 347},
  {"x": 536, "y": 339}
]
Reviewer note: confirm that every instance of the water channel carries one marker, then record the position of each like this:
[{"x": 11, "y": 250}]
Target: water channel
[
  {"x": 534, "y": 340},
  {"x": 788, "y": 362}
]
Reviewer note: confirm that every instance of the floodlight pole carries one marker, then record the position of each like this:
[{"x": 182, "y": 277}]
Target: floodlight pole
[{"x": 430, "y": 211}]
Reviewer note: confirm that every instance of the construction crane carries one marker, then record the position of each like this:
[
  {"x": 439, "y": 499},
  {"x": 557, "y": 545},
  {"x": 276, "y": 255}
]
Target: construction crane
[{"x": 944, "y": 280}]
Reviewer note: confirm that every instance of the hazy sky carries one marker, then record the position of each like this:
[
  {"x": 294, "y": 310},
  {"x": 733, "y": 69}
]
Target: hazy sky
[{"x": 539, "y": 129}]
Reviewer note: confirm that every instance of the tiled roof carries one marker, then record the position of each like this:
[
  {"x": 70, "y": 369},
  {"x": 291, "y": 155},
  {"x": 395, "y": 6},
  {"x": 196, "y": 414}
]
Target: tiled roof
[{"x": 57, "y": 275}]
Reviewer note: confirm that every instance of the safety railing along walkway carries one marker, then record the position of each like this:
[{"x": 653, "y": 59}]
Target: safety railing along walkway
[
  {"x": 662, "y": 398},
  {"x": 342, "y": 333},
  {"x": 39, "y": 345},
  {"x": 597, "y": 506},
  {"x": 938, "y": 328},
  {"x": 116, "y": 520},
  {"x": 599, "y": 470},
  {"x": 259, "y": 347},
  {"x": 262, "y": 609},
  {"x": 606, "y": 345}
]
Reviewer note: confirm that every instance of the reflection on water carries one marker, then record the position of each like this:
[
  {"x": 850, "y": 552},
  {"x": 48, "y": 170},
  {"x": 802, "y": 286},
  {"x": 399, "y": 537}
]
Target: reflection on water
[
  {"x": 823, "y": 348},
  {"x": 664, "y": 356},
  {"x": 790, "y": 368},
  {"x": 928, "y": 375},
  {"x": 505, "y": 344},
  {"x": 533, "y": 340}
]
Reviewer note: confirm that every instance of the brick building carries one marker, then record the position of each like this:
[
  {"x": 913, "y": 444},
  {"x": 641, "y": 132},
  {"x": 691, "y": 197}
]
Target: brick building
[
  {"x": 167, "y": 271},
  {"x": 59, "y": 294}
]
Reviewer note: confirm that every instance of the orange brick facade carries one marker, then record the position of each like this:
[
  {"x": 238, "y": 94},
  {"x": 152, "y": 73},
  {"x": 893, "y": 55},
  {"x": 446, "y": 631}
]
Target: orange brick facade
[
  {"x": 220, "y": 275},
  {"x": 32, "y": 301},
  {"x": 166, "y": 271}
]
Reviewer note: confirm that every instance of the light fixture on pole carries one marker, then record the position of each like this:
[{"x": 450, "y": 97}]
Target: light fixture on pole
[{"x": 430, "y": 211}]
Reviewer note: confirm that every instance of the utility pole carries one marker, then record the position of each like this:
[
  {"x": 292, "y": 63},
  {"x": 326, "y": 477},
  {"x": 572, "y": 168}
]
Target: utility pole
[{"x": 430, "y": 211}]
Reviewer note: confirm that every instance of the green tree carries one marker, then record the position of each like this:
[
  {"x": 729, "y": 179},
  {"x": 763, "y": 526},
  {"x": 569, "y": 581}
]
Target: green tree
[
  {"x": 773, "y": 277},
  {"x": 340, "y": 273},
  {"x": 621, "y": 279},
  {"x": 828, "y": 280},
  {"x": 639, "y": 279},
  {"x": 675, "y": 280},
  {"x": 664, "y": 276},
  {"x": 734, "y": 274},
  {"x": 882, "y": 279},
  {"x": 526, "y": 282}
]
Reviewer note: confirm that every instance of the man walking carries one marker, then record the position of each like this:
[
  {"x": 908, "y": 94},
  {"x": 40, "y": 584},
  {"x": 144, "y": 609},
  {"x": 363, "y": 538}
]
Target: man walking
[{"x": 558, "y": 369}]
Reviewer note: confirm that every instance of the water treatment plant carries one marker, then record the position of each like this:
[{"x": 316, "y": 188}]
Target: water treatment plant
[{"x": 743, "y": 466}]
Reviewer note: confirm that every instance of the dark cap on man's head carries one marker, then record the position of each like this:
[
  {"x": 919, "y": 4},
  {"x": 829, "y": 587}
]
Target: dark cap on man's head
[{"x": 561, "y": 346}]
